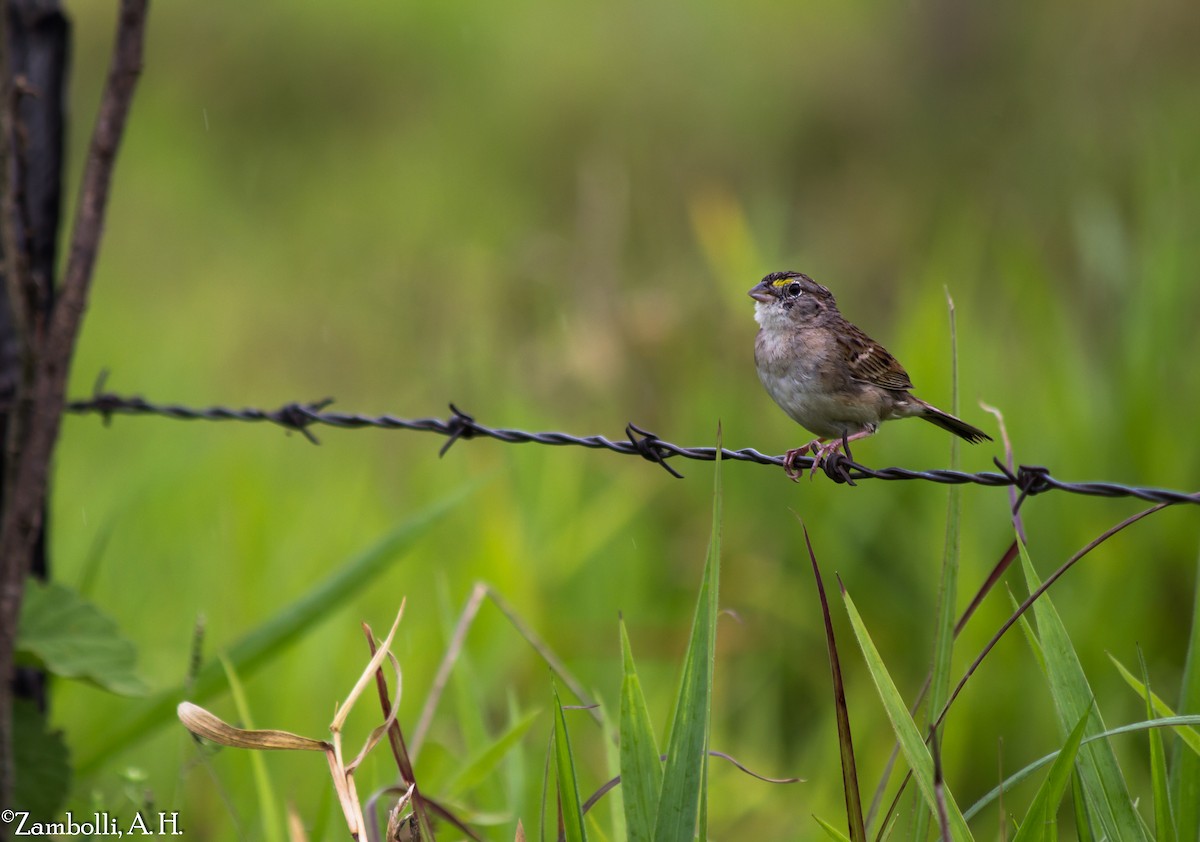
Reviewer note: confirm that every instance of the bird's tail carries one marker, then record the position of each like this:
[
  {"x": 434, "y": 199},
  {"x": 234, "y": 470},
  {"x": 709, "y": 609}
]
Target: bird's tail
[{"x": 954, "y": 425}]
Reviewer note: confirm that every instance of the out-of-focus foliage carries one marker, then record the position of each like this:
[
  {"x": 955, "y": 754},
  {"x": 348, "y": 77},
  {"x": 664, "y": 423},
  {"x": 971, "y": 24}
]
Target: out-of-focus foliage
[{"x": 549, "y": 213}]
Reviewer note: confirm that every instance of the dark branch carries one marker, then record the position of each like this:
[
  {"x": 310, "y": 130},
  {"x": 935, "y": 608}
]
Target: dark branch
[
  {"x": 123, "y": 74},
  {"x": 48, "y": 341},
  {"x": 1029, "y": 480}
]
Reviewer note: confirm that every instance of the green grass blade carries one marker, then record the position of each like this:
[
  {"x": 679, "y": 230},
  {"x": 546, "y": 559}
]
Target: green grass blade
[
  {"x": 912, "y": 745},
  {"x": 854, "y": 811},
  {"x": 939, "y": 688},
  {"x": 1010, "y": 783},
  {"x": 1103, "y": 784},
  {"x": 269, "y": 807},
  {"x": 1040, "y": 818},
  {"x": 1185, "y": 770},
  {"x": 1035, "y": 645},
  {"x": 943, "y": 644},
  {"x": 684, "y": 779},
  {"x": 275, "y": 635},
  {"x": 615, "y": 801},
  {"x": 544, "y": 805},
  {"x": 564, "y": 769},
  {"x": 943, "y": 640},
  {"x": 831, "y": 831},
  {"x": 595, "y": 828},
  {"x": 1189, "y": 736},
  {"x": 1083, "y": 817},
  {"x": 679, "y": 801},
  {"x": 479, "y": 768},
  {"x": 514, "y": 769},
  {"x": 462, "y": 692},
  {"x": 641, "y": 769},
  {"x": 1164, "y": 821}
]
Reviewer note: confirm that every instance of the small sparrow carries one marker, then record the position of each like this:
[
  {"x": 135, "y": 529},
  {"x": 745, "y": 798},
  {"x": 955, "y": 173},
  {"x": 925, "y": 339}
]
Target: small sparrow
[{"x": 829, "y": 376}]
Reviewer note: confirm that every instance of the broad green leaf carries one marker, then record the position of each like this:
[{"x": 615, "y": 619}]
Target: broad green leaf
[
  {"x": 1040, "y": 818},
  {"x": 911, "y": 744},
  {"x": 276, "y": 635},
  {"x": 641, "y": 769},
  {"x": 42, "y": 761},
  {"x": 68, "y": 636},
  {"x": 684, "y": 778},
  {"x": 568, "y": 786},
  {"x": 1103, "y": 784}
]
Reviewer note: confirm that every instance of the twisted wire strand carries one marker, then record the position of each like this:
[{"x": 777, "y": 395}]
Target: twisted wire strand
[{"x": 1029, "y": 479}]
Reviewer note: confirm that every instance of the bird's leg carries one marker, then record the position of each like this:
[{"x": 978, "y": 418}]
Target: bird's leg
[{"x": 833, "y": 446}]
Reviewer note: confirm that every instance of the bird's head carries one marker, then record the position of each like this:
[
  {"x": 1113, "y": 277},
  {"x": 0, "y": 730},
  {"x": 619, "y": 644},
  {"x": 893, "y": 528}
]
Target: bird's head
[{"x": 788, "y": 299}]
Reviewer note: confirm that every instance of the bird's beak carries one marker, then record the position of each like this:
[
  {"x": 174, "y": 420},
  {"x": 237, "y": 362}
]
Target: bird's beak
[{"x": 760, "y": 293}]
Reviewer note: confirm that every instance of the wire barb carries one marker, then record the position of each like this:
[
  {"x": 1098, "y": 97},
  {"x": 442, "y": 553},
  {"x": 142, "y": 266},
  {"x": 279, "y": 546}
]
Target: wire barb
[
  {"x": 837, "y": 467},
  {"x": 647, "y": 444},
  {"x": 1030, "y": 480},
  {"x": 105, "y": 403},
  {"x": 298, "y": 417},
  {"x": 459, "y": 426}
]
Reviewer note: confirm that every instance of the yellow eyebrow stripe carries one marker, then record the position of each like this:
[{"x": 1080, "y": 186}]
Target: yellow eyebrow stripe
[{"x": 782, "y": 282}]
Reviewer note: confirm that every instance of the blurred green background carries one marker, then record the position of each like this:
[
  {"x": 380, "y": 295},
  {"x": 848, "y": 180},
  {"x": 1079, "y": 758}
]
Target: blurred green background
[{"x": 549, "y": 214}]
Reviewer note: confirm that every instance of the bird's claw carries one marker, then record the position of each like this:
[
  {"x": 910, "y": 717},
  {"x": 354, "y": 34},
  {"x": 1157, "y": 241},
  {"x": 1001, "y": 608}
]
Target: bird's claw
[
  {"x": 820, "y": 449},
  {"x": 789, "y": 460}
]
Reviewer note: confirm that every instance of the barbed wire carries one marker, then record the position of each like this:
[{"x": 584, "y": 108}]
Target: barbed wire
[{"x": 299, "y": 417}]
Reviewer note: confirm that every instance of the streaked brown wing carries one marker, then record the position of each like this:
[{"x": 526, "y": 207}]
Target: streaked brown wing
[{"x": 870, "y": 362}]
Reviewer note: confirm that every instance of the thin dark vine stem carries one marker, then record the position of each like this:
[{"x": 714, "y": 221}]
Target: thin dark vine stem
[
  {"x": 1028, "y": 480},
  {"x": 1009, "y": 623}
]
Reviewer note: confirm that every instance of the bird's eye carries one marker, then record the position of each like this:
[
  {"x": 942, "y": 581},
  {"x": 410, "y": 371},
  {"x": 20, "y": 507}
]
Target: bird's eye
[{"x": 793, "y": 290}]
